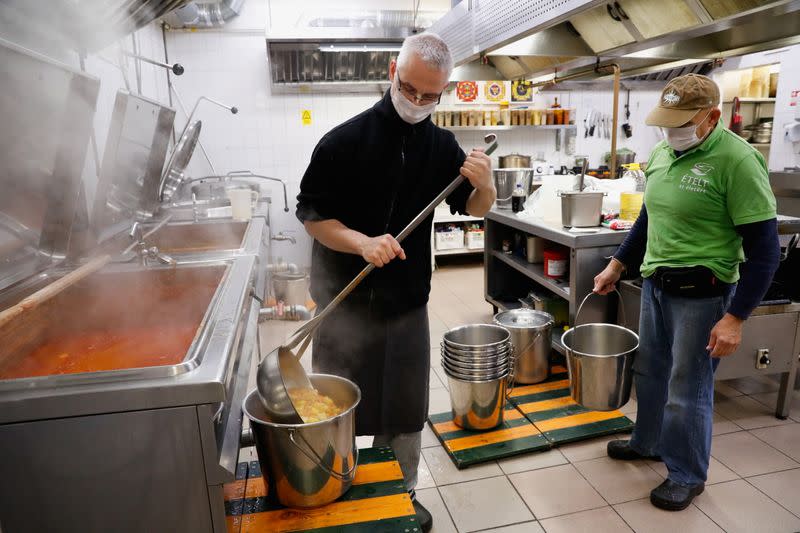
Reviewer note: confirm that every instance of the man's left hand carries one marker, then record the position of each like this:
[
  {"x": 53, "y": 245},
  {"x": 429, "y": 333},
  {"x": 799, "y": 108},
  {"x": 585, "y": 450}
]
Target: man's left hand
[
  {"x": 477, "y": 168},
  {"x": 726, "y": 336}
]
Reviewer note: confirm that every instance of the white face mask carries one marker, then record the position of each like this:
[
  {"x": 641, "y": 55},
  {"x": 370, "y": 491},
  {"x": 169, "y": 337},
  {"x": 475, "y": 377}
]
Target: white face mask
[
  {"x": 407, "y": 110},
  {"x": 685, "y": 138}
]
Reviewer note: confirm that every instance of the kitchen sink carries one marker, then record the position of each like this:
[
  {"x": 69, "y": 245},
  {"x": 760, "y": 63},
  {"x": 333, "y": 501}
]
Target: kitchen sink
[{"x": 199, "y": 237}]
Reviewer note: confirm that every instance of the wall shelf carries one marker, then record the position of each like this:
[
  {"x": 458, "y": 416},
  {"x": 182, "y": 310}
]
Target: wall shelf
[
  {"x": 752, "y": 101},
  {"x": 503, "y": 128},
  {"x": 457, "y": 251}
]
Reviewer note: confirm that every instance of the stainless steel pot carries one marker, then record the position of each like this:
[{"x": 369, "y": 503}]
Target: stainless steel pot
[
  {"x": 308, "y": 465},
  {"x": 581, "y": 209},
  {"x": 290, "y": 288},
  {"x": 514, "y": 161},
  {"x": 475, "y": 364},
  {"x": 477, "y": 373},
  {"x": 600, "y": 363},
  {"x": 506, "y": 180},
  {"x": 531, "y": 336}
]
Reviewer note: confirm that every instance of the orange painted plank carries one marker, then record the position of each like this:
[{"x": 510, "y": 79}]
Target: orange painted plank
[
  {"x": 557, "y": 369},
  {"x": 450, "y": 426},
  {"x": 545, "y": 405},
  {"x": 233, "y": 524},
  {"x": 332, "y": 515},
  {"x": 376, "y": 472},
  {"x": 577, "y": 420},
  {"x": 541, "y": 387},
  {"x": 234, "y": 490},
  {"x": 491, "y": 437},
  {"x": 255, "y": 487}
]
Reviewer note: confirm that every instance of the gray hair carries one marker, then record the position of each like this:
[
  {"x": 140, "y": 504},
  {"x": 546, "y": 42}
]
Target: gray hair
[{"x": 430, "y": 48}]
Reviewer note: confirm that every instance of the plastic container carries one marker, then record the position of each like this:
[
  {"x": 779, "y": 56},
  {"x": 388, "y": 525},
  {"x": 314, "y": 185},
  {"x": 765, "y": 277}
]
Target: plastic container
[
  {"x": 555, "y": 263},
  {"x": 630, "y": 204}
]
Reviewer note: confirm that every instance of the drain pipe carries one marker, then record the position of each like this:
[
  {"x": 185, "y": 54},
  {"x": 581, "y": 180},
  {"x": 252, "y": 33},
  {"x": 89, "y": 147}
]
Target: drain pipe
[{"x": 284, "y": 312}]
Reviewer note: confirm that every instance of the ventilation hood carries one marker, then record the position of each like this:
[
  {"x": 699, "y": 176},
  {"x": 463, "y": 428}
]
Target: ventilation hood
[
  {"x": 84, "y": 25},
  {"x": 536, "y": 39},
  {"x": 338, "y": 51}
]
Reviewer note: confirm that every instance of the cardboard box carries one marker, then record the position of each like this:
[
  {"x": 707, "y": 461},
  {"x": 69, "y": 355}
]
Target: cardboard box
[{"x": 475, "y": 240}]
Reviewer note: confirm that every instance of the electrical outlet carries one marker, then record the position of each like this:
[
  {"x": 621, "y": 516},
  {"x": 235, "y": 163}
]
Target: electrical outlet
[{"x": 762, "y": 358}]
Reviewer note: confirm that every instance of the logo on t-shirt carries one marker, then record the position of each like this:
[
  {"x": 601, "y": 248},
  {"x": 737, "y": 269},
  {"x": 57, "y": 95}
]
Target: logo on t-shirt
[
  {"x": 693, "y": 183},
  {"x": 702, "y": 169}
]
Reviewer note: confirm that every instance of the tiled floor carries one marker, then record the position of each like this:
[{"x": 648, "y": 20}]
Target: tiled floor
[{"x": 754, "y": 478}]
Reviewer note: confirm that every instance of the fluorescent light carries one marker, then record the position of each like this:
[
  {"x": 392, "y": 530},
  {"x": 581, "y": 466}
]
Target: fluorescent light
[{"x": 354, "y": 47}]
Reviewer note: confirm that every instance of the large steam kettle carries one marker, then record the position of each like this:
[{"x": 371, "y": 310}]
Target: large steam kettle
[{"x": 514, "y": 161}]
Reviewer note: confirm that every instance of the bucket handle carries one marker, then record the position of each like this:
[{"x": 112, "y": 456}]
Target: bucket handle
[
  {"x": 512, "y": 374},
  {"x": 317, "y": 460},
  {"x": 622, "y": 307}
]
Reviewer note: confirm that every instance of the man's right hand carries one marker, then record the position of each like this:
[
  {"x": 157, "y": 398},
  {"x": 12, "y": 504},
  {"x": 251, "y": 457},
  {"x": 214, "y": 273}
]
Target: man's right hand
[
  {"x": 380, "y": 250},
  {"x": 606, "y": 280}
]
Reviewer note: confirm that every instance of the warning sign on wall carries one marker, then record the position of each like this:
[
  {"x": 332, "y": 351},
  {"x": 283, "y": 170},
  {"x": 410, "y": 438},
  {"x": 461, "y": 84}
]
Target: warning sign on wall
[{"x": 305, "y": 117}]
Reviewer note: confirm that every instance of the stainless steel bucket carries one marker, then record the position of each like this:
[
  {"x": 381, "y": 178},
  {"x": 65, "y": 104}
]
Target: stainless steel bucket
[
  {"x": 531, "y": 336},
  {"x": 506, "y": 180},
  {"x": 477, "y": 405},
  {"x": 478, "y": 360},
  {"x": 290, "y": 288},
  {"x": 308, "y": 465},
  {"x": 600, "y": 363}
]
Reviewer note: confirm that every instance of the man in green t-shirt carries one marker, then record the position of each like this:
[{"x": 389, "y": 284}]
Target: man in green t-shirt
[{"x": 708, "y": 246}]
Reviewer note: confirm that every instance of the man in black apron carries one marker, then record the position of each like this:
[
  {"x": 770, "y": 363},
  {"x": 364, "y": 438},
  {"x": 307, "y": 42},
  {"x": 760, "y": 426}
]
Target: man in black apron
[{"x": 367, "y": 179}]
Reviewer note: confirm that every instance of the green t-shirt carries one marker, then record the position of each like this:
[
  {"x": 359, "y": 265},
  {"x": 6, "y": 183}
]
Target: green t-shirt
[{"x": 695, "y": 201}]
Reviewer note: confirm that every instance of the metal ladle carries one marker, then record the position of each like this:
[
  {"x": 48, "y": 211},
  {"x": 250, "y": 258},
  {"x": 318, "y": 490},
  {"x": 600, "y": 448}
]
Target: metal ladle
[{"x": 280, "y": 370}]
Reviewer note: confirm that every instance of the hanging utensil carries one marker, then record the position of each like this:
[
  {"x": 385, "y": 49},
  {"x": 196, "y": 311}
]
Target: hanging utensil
[
  {"x": 626, "y": 127},
  {"x": 583, "y": 174},
  {"x": 736, "y": 118},
  {"x": 280, "y": 370}
]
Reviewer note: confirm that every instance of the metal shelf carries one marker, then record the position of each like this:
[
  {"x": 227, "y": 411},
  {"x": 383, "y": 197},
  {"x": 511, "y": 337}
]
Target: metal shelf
[
  {"x": 760, "y": 145},
  {"x": 503, "y": 128},
  {"x": 454, "y": 218},
  {"x": 534, "y": 271},
  {"x": 456, "y": 251}
]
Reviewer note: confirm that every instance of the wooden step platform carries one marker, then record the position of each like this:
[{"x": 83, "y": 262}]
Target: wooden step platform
[
  {"x": 537, "y": 417},
  {"x": 376, "y": 502}
]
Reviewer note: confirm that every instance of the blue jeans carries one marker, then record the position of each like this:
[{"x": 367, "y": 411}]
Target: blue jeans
[{"x": 674, "y": 379}]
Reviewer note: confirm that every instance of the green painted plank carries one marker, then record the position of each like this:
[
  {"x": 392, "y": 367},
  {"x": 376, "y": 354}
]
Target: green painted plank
[
  {"x": 402, "y": 524},
  {"x": 374, "y": 490},
  {"x": 450, "y": 435},
  {"x": 560, "y": 412},
  {"x": 499, "y": 450},
  {"x": 587, "y": 431},
  {"x": 540, "y": 396},
  {"x": 438, "y": 418},
  {"x": 375, "y": 455}
]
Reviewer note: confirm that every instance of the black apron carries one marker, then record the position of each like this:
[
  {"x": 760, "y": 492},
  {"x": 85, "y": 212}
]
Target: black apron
[{"x": 388, "y": 357}]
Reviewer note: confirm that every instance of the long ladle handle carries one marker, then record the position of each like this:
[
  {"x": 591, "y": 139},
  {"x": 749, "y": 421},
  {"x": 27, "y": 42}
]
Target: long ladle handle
[{"x": 310, "y": 326}]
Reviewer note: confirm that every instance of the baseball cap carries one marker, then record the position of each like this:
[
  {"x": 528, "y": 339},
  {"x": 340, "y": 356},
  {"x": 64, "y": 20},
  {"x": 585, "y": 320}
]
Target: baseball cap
[{"x": 681, "y": 99}]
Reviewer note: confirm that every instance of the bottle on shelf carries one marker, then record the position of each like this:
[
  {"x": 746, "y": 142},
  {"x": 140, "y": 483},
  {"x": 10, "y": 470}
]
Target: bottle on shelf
[
  {"x": 517, "y": 199},
  {"x": 558, "y": 113}
]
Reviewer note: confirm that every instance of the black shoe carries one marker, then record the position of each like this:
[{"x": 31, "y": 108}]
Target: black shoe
[
  {"x": 621, "y": 449},
  {"x": 673, "y": 497},
  {"x": 423, "y": 517}
]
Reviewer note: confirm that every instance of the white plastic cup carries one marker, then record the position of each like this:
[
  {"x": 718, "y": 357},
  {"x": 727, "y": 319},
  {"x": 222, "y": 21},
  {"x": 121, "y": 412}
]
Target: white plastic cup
[{"x": 242, "y": 203}]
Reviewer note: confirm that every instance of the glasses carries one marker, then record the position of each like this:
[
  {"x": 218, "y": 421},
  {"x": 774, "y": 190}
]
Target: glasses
[{"x": 412, "y": 93}]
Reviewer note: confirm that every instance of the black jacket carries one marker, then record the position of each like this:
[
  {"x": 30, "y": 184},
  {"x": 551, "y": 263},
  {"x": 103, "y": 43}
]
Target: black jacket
[{"x": 374, "y": 174}]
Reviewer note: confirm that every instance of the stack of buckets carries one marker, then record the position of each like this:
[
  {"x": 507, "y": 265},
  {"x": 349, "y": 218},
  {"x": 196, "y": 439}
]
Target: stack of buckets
[{"x": 478, "y": 361}]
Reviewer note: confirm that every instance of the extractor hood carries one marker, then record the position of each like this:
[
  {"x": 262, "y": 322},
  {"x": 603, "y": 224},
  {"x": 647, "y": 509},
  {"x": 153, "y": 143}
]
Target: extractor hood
[
  {"x": 338, "y": 51},
  {"x": 84, "y": 25},
  {"x": 642, "y": 36}
]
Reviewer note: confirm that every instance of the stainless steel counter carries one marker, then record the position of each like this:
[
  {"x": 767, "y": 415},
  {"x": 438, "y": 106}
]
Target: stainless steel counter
[
  {"x": 143, "y": 449},
  {"x": 509, "y": 277}
]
